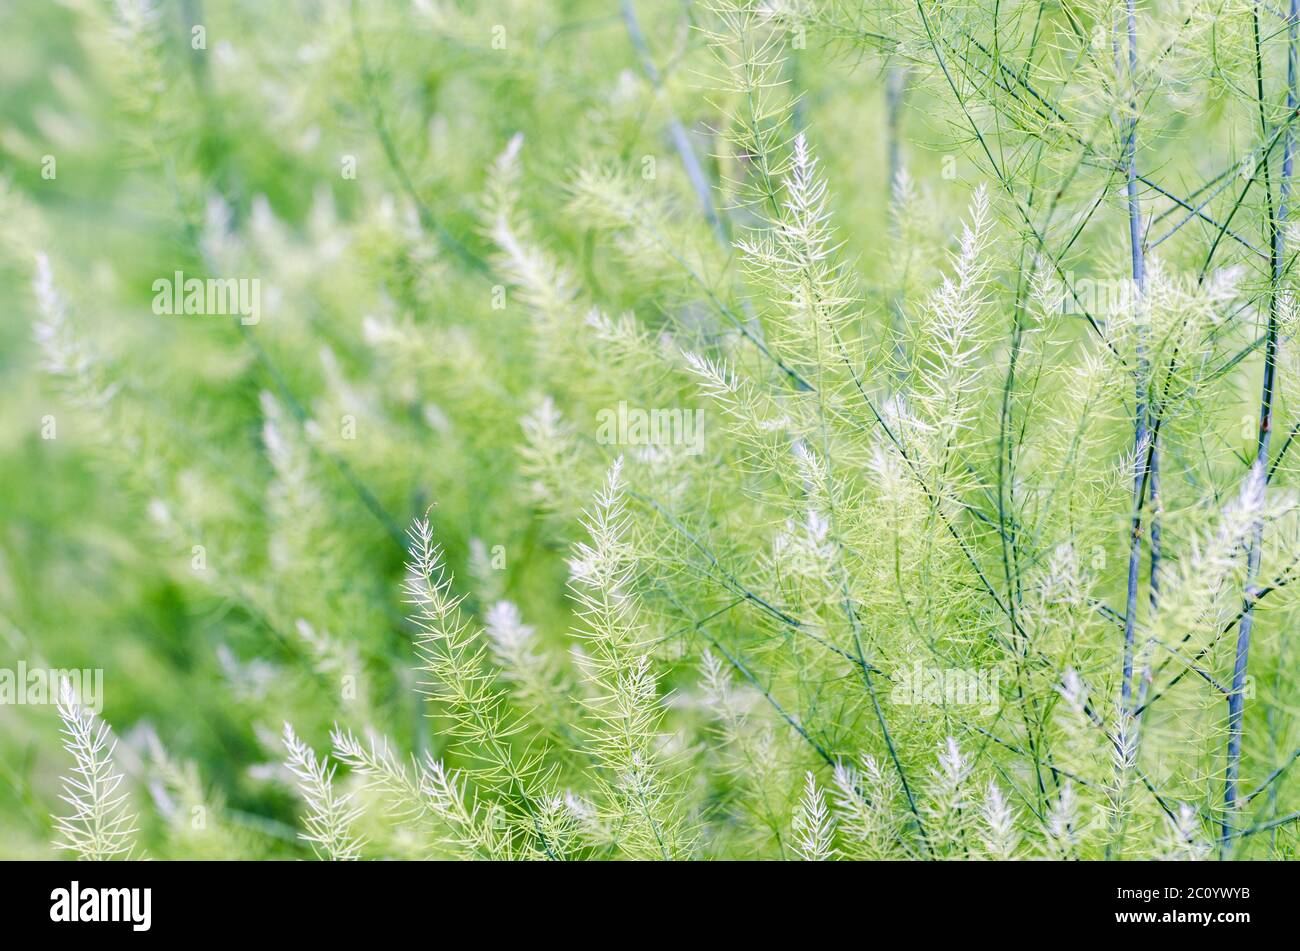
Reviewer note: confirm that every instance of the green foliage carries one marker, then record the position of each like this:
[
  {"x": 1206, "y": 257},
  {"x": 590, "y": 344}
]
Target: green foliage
[{"x": 815, "y": 429}]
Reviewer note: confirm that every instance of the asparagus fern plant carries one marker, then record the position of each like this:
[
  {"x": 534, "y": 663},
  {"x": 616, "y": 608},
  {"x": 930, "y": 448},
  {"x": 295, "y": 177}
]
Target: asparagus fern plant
[{"x": 808, "y": 429}]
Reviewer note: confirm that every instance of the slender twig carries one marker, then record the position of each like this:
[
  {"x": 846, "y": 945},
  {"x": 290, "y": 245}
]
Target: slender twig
[
  {"x": 681, "y": 141},
  {"x": 1264, "y": 826},
  {"x": 1142, "y": 451},
  {"x": 1048, "y": 110},
  {"x": 1268, "y": 781},
  {"x": 1252, "y": 598},
  {"x": 1276, "y": 227}
]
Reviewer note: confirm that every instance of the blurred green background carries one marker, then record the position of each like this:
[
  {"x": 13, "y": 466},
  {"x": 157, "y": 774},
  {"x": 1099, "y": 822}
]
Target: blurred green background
[
  {"x": 161, "y": 153},
  {"x": 217, "y": 520}
]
